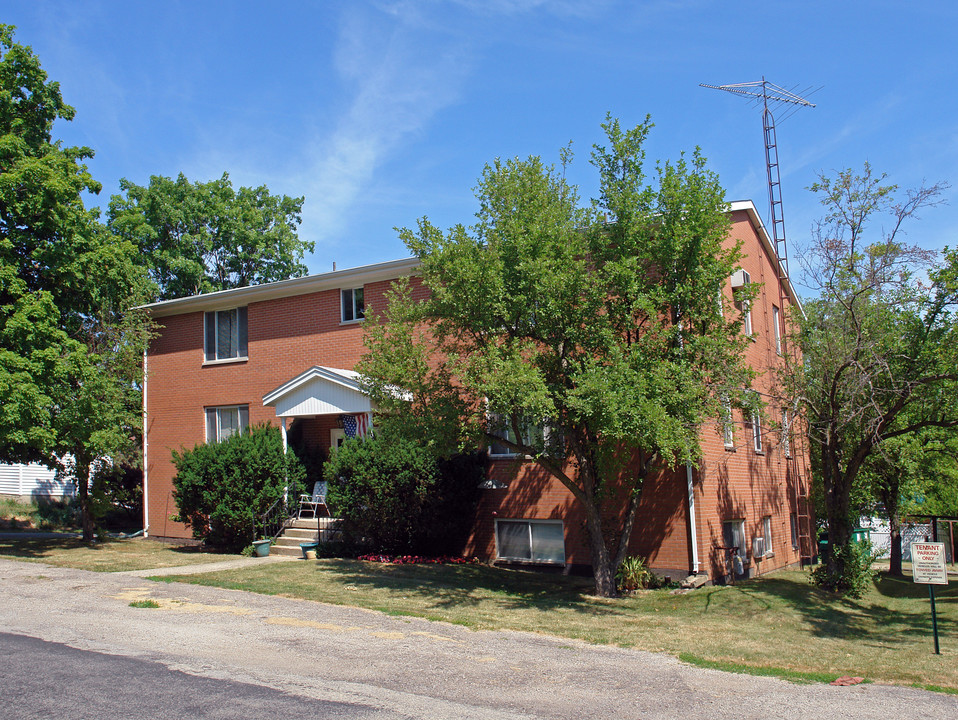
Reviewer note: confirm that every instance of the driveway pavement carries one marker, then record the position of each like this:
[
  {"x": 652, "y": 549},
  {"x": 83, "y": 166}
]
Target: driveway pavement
[{"x": 403, "y": 667}]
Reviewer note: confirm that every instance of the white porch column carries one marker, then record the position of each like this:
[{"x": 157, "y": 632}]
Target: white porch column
[{"x": 282, "y": 432}]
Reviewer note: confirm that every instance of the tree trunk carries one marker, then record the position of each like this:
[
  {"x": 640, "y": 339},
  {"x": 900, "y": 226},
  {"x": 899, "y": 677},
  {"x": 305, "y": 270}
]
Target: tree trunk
[
  {"x": 840, "y": 526},
  {"x": 81, "y": 475},
  {"x": 894, "y": 525}
]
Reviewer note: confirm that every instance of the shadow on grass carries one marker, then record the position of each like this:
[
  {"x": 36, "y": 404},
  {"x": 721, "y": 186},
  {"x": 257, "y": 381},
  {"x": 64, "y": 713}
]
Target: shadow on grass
[
  {"x": 893, "y": 614},
  {"x": 42, "y": 548},
  {"x": 464, "y": 586}
]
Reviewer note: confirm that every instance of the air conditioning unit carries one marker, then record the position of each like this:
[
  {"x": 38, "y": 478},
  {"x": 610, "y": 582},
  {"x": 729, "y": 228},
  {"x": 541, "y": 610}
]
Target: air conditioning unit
[
  {"x": 758, "y": 547},
  {"x": 740, "y": 278}
]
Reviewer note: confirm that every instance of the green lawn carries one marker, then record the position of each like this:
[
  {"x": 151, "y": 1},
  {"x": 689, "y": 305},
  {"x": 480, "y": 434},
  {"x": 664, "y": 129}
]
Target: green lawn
[
  {"x": 107, "y": 556},
  {"x": 778, "y": 624}
]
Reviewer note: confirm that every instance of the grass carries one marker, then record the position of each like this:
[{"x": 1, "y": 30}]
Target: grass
[
  {"x": 44, "y": 515},
  {"x": 778, "y": 624},
  {"x": 153, "y": 604},
  {"x": 106, "y": 556}
]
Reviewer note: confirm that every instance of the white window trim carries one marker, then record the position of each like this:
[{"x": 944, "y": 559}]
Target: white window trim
[
  {"x": 767, "y": 530},
  {"x": 530, "y": 523},
  {"x": 218, "y": 409},
  {"x": 777, "y": 319},
  {"x": 786, "y": 435},
  {"x": 728, "y": 427},
  {"x": 757, "y": 433},
  {"x": 525, "y": 428},
  {"x": 352, "y": 300},
  {"x": 216, "y": 360}
]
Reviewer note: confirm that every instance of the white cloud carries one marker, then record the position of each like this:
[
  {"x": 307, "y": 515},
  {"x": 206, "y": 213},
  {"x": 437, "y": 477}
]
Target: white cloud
[{"x": 396, "y": 83}]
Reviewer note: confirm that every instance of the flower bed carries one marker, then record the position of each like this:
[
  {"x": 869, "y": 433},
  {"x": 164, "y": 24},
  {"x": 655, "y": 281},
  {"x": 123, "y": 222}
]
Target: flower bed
[{"x": 419, "y": 560}]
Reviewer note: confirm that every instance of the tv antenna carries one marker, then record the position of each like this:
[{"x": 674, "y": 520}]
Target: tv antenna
[{"x": 768, "y": 96}]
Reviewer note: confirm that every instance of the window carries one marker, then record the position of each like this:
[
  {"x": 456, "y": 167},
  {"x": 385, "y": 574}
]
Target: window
[
  {"x": 777, "y": 320},
  {"x": 742, "y": 279},
  {"x": 786, "y": 435},
  {"x": 733, "y": 535},
  {"x": 767, "y": 530},
  {"x": 793, "y": 521},
  {"x": 728, "y": 429},
  {"x": 540, "y": 541},
  {"x": 533, "y": 434},
  {"x": 225, "y": 336},
  {"x": 757, "y": 431},
  {"x": 354, "y": 307},
  {"x": 222, "y": 422}
]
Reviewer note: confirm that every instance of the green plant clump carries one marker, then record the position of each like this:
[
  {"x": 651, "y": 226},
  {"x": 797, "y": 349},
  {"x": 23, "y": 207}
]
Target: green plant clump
[
  {"x": 221, "y": 488},
  {"x": 633, "y": 574},
  {"x": 856, "y": 559}
]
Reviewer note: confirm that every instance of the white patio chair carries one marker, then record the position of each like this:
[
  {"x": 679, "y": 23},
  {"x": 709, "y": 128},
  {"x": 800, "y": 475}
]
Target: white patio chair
[{"x": 312, "y": 503}]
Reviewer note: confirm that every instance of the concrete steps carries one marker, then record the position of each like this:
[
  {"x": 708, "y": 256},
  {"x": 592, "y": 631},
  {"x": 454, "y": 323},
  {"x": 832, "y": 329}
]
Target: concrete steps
[{"x": 302, "y": 531}]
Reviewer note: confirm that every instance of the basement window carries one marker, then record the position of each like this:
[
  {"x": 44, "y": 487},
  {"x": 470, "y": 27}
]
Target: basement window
[{"x": 536, "y": 541}]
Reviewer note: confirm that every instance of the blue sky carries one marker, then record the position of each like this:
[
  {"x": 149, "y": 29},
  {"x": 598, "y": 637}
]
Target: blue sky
[{"x": 380, "y": 112}]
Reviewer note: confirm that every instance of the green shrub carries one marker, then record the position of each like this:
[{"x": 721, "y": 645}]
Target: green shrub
[
  {"x": 856, "y": 575},
  {"x": 394, "y": 497},
  {"x": 221, "y": 487},
  {"x": 633, "y": 574}
]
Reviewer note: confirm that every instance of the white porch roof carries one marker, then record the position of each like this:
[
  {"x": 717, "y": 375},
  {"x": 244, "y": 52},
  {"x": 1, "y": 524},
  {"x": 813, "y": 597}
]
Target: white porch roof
[{"x": 319, "y": 391}]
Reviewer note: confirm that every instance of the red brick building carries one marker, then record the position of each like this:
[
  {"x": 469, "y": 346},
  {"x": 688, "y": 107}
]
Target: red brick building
[{"x": 284, "y": 353}]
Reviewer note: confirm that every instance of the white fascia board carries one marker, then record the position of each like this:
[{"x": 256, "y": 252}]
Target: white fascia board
[
  {"x": 749, "y": 207},
  {"x": 238, "y": 297}
]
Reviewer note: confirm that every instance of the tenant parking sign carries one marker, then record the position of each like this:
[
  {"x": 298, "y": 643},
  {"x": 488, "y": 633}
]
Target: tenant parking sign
[{"x": 928, "y": 563}]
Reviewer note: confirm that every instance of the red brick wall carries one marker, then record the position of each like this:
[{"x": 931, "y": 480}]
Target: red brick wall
[{"x": 289, "y": 335}]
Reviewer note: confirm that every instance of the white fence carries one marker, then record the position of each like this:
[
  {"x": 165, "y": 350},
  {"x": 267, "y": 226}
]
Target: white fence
[
  {"x": 910, "y": 532},
  {"x": 33, "y": 481}
]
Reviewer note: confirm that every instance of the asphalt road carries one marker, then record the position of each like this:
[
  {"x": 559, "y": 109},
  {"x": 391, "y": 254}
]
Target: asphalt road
[{"x": 71, "y": 641}]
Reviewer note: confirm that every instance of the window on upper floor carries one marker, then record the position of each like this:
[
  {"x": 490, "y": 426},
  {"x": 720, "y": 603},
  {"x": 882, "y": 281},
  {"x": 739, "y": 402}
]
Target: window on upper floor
[
  {"x": 786, "y": 435},
  {"x": 353, "y": 305},
  {"x": 728, "y": 428},
  {"x": 777, "y": 321},
  {"x": 225, "y": 336},
  {"x": 225, "y": 421},
  {"x": 757, "y": 431},
  {"x": 741, "y": 279},
  {"x": 532, "y": 434}
]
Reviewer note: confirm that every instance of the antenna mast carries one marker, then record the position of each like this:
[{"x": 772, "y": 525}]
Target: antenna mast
[{"x": 769, "y": 96}]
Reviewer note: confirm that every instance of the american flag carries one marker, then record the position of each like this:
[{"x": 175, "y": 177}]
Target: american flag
[{"x": 356, "y": 425}]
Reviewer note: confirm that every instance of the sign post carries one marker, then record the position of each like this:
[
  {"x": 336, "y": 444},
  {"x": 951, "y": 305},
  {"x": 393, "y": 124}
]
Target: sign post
[{"x": 928, "y": 566}]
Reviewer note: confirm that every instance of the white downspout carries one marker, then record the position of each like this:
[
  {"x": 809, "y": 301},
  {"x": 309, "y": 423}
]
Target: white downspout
[
  {"x": 146, "y": 462},
  {"x": 693, "y": 535}
]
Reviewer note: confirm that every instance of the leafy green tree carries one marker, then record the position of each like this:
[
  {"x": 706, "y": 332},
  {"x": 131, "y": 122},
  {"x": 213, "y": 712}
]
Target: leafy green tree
[
  {"x": 878, "y": 342},
  {"x": 205, "y": 236},
  {"x": 600, "y": 322},
  {"x": 70, "y": 348},
  {"x": 221, "y": 488}
]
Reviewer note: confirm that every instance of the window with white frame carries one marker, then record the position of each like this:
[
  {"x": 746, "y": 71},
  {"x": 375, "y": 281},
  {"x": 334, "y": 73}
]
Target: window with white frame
[
  {"x": 540, "y": 541},
  {"x": 225, "y": 336},
  {"x": 733, "y": 535},
  {"x": 354, "y": 306},
  {"x": 767, "y": 530},
  {"x": 741, "y": 279},
  {"x": 728, "y": 428},
  {"x": 531, "y": 434},
  {"x": 777, "y": 321},
  {"x": 786, "y": 435},
  {"x": 225, "y": 421},
  {"x": 757, "y": 431},
  {"x": 793, "y": 522}
]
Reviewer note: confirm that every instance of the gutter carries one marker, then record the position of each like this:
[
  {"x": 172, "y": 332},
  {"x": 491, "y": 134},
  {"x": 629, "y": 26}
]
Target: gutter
[
  {"x": 693, "y": 534},
  {"x": 146, "y": 464}
]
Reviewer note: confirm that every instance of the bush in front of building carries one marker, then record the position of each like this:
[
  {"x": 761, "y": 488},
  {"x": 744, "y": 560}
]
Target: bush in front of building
[
  {"x": 222, "y": 488},
  {"x": 394, "y": 497}
]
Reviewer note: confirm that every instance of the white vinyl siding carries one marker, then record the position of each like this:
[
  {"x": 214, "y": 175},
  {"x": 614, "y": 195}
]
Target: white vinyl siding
[
  {"x": 539, "y": 541},
  {"x": 33, "y": 480},
  {"x": 225, "y": 334}
]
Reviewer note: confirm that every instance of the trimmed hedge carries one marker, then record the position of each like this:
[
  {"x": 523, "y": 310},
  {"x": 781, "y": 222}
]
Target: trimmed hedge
[{"x": 221, "y": 488}]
